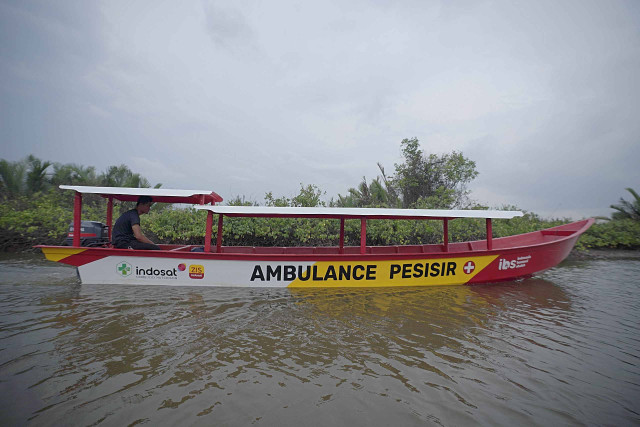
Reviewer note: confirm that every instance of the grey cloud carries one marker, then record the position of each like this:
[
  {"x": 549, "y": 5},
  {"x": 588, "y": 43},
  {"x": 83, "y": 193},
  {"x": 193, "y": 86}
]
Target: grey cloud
[
  {"x": 248, "y": 97},
  {"x": 226, "y": 25}
]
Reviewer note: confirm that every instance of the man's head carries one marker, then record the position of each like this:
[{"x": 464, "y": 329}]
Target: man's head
[{"x": 144, "y": 204}]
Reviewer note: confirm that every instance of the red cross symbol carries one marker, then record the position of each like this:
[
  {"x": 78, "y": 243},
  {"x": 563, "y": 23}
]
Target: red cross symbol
[{"x": 469, "y": 267}]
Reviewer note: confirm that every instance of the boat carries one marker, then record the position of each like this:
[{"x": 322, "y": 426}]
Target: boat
[{"x": 214, "y": 264}]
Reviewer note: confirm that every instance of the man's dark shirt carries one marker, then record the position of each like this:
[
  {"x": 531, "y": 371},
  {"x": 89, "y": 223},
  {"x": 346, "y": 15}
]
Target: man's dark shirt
[{"x": 123, "y": 229}]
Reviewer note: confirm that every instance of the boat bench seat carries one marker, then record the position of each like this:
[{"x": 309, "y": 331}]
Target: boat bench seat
[
  {"x": 557, "y": 232},
  {"x": 376, "y": 250},
  {"x": 268, "y": 250},
  {"x": 411, "y": 249},
  {"x": 384, "y": 249},
  {"x": 455, "y": 247},
  {"x": 237, "y": 249},
  {"x": 185, "y": 248},
  {"x": 326, "y": 250},
  {"x": 434, "y": 248},
  {"x": 355, "y": 250},
  {"x": 477, "y": 246},
  {"x": 299, "y": 250}
]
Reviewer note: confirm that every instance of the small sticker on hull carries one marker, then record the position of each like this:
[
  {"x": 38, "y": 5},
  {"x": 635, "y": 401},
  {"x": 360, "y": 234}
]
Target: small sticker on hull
[
  {"x": 508, "y": 264},
  {"x": 196, "y": 271}
]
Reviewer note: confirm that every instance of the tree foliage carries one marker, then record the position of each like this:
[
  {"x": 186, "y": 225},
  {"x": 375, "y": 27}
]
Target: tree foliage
[
  {"x": 42, "y": 218},
  {"x": 72, "y": 174},
  {"x": 36, "y": 176},
  {"x": 627, "y": 210},
  {"x": 375, "y": 194},
  {"x": 432, "y": 179},
  {"x": 32, "y": 175},
  {"x": 34, "y": 211},
  {"x": 420, "y": 181},
  {"x": 122, "y": 176}
]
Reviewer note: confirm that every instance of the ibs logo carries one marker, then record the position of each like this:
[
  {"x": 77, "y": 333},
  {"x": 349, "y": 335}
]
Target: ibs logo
[
  {"x": 519, "y": 262},
  {"x": 124, "y": 269}
]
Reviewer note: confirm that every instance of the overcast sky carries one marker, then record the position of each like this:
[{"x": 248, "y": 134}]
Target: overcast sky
[{"x": 245, "y": 97}]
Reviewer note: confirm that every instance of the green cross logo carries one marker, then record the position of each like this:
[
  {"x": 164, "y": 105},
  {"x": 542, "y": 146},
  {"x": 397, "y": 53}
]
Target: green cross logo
[{"x": 124, "y": 269}]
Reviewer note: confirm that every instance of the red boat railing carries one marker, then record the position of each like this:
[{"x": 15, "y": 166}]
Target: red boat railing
[
  {"x": 341, "y": 217},
  {"x": 200, "y": 198},
  {"x": 194, "y": 197}
]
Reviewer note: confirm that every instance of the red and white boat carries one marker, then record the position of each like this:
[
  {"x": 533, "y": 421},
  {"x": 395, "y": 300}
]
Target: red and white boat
[{"x": 213, "y": 264}]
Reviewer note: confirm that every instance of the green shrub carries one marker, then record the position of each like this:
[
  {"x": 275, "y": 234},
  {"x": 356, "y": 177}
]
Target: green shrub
[
  {"x": 619, "y": 234},
  {"x": 43, "y": 218}
]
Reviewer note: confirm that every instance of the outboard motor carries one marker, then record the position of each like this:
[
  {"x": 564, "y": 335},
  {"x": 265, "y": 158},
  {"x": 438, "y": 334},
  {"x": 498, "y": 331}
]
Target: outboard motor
[{"x": 92, "y": 233}]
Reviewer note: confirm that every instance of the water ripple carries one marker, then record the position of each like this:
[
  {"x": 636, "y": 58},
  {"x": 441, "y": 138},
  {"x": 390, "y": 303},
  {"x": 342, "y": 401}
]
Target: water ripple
[{"x": 560, "y": 349}]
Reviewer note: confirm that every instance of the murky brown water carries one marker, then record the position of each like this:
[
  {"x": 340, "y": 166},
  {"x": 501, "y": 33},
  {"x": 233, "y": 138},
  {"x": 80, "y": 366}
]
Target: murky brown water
[{"x": 561, "y": 349}]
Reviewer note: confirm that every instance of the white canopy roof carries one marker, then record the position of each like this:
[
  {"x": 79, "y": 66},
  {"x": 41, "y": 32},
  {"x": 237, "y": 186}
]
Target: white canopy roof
[
  {"x": 376, "y": 213},
  {"x": 158, "y": 194}
]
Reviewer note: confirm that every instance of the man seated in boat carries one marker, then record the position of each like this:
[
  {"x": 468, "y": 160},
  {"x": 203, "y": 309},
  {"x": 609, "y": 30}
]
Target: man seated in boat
[{"x": 127, "y": 233}]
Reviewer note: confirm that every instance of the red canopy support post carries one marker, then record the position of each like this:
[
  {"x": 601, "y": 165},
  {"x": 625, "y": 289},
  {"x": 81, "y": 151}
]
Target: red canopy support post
[
  {"x": 219, "y": 238},
  {"x": 363, "y": 235},
  {"x": 109, "y": 215},
  {"x": 77, "y": 219},
  {"x": 489, "y": 235},
  {"x": 207, "y": 232},
  {"x": 341, "y": 235},
  {"x": 445, "y": 226}
]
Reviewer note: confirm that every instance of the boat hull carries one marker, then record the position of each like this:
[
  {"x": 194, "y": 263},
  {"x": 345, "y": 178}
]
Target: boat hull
[{"x": 510, "y": 258}]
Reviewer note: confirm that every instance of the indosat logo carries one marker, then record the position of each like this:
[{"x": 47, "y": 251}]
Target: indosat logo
[{"x": 124, "y": 269}]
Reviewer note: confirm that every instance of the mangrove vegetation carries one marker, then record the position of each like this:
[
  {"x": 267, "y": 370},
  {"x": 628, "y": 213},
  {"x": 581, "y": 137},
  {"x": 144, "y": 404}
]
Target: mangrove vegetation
[{"x": 33, "y": 210}]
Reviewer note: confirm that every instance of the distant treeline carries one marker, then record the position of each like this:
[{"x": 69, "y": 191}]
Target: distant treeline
[{"x": 34, "y": 211}]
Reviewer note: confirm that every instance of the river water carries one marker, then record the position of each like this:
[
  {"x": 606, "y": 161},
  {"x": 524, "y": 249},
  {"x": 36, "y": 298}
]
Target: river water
[{"x": 559, "y": 349}]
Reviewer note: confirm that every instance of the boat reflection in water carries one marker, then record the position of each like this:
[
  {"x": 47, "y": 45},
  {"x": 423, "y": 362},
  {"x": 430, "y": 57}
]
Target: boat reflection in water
[
  {"x": 489, "y": 354},
  {"x": 515, "y": 352},
  {"x": 479, "y": 302},
  {"x": 410, "y": 321}
]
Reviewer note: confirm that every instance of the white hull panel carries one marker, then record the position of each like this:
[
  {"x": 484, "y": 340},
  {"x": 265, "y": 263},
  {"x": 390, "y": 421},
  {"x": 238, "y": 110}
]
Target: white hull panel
[
  {"x": 283, "y": 273},
  {"x": 183, "y": 272}
]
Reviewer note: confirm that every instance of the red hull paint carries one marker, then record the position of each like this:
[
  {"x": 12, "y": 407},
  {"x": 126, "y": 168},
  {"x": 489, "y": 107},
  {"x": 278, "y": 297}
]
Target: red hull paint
[{"x": 517, "y": 256}]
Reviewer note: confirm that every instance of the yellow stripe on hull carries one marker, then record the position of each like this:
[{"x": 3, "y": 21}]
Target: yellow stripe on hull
[
  {"x": 56, "y": 254},
  {"x": 416, "y": 272}
]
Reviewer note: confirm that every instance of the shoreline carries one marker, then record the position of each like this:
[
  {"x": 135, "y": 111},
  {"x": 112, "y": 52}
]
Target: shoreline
[
  {"x": 575, "y": 254},
  {"x": 609, "y": 254}
]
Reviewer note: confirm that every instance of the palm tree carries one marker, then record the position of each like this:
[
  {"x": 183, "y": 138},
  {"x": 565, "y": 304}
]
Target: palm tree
[
  {"x": 627, "y": 210},
  {"x": 378, "y": 193},
  {"x": 37, "y": 175},
  {"x": 72, "y": 174},
  {"x": 366, "y": 195},
  {"x": 390, "y": 190},
  {"x": 12, "y": 178},
  {"x": 26, "y": 176},
  {"x": 122, "y": 176},
  {"x": 361, "y": 195},
  {"x": 116, "y": 176}
]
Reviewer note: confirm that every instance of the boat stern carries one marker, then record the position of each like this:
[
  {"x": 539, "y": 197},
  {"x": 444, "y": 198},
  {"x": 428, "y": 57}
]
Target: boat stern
[{"x": 61, "y": 254}]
